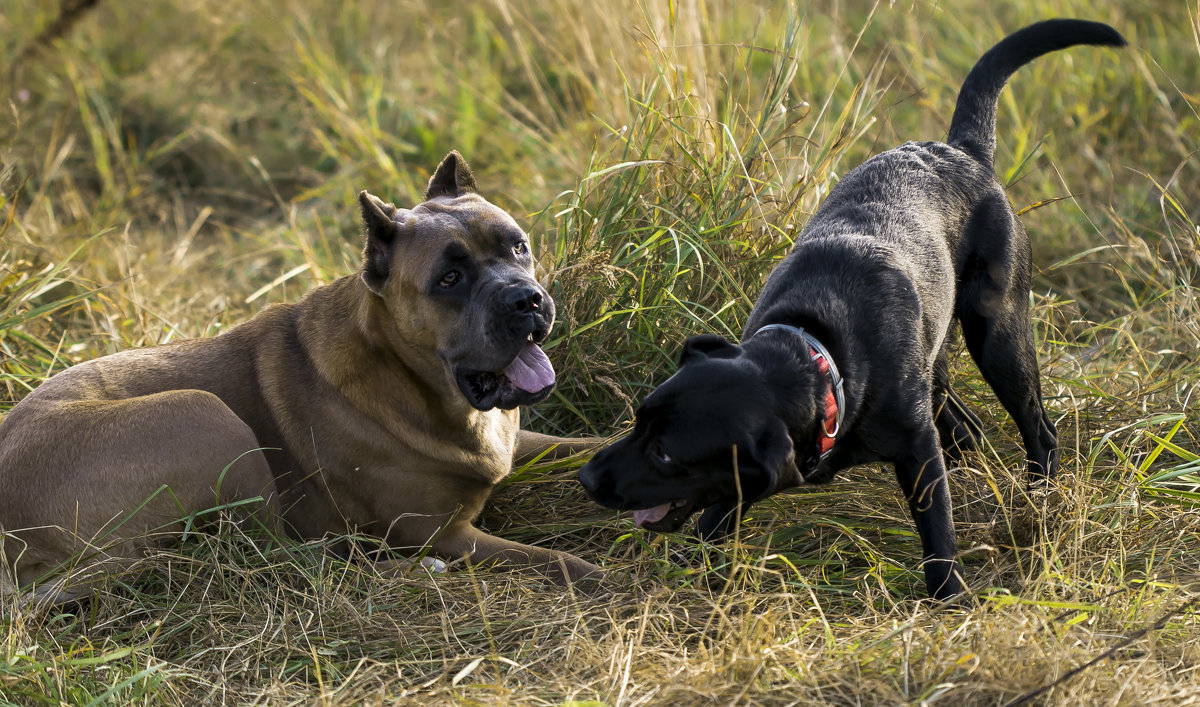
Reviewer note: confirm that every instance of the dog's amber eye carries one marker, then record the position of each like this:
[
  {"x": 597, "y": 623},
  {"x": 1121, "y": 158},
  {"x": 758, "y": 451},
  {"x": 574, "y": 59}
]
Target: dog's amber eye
[
  {"x": 521, "y": 248},
  {"x": 450, "y": 279}
]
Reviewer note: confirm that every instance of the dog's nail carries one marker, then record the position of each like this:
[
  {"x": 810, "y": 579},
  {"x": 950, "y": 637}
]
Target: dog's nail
[{"x": 433, "y": 564}]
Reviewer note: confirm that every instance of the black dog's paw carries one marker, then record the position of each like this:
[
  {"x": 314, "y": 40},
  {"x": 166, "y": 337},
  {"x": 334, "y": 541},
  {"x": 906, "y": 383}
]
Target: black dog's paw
[{"x": 962, "y": 602}]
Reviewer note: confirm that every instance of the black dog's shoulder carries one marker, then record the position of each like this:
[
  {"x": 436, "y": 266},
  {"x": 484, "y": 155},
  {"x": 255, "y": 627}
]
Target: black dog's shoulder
[{"x": 825, "y": 281}]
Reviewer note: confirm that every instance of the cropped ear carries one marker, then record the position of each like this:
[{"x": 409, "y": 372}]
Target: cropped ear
[
  {"x": 775, "y": 453},
  {"x": 452, "y": 178},
  {"x": 707, "y": 346},
  {"x": 381, "y": 230}
]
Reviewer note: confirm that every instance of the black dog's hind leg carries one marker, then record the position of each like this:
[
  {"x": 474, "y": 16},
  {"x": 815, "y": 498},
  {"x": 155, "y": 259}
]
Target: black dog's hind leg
[
  {"x": 922, "y": 478},
  {"x": 993, "y": 308},
  {"x": 958, "y": 428}
]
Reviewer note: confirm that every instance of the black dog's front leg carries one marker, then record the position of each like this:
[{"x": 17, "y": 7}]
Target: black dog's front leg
[
  {"x": 718, "y": 520},
  {"x": 922, "y": 478}
]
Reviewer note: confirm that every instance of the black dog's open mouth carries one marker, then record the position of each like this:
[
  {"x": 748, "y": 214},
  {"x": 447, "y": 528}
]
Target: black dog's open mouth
[
  {"x": 664, "y": 518},
  {"x": 527, "y": 379}
]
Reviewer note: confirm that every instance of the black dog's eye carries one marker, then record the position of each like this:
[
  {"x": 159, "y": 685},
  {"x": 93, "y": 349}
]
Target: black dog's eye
[
  {"x": 657, "y": 451},
  {"x": 521, "y": 248},
  {"x": 450, "y": 279}
]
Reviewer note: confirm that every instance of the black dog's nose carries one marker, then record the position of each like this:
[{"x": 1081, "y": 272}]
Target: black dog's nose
[
  {"x": 597, "y": 484},
  {"x": 523, "y": 300}
]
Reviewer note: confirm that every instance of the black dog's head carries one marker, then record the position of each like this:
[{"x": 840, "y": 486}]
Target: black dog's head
[{"x": 715, "y": 432}]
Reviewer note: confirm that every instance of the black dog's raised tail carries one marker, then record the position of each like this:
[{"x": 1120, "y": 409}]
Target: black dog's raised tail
[{"x": 973, "y": 127}]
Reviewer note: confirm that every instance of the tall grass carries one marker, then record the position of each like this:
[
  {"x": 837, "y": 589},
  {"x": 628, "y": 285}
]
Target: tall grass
[{"x": 170, "y": 168}]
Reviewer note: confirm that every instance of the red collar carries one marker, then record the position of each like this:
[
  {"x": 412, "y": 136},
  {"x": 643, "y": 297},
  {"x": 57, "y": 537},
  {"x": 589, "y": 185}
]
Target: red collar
[{"x": 835, "y": 401}]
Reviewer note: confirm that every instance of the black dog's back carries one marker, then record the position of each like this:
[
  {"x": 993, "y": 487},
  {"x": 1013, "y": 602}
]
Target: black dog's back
[
  {"x": 973, "y": 126},
  {"x": 933, "y": 197}
]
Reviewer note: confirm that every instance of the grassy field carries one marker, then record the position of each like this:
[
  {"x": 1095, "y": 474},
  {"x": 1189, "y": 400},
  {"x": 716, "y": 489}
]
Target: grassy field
[{"x": 169, "y": 168}]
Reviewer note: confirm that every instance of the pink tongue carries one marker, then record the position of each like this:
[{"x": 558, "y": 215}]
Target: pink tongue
[
  {"x": 531, "y": 370},
  {"x": 651, "y": 515}
]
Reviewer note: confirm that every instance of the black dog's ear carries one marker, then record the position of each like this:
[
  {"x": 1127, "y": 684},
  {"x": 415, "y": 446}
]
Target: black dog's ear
[
  {"x": 452, "y": 178},
  {"x": 775, "y": 453},
  {"x": 708, "y": 346},
  {"x": 381, "y": 230}
]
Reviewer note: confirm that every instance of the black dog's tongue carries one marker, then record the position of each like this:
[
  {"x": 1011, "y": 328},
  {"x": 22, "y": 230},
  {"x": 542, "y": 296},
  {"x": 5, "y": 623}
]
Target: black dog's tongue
[
  {"x": 651, "y": 515},
  {"x": 531, "y": 370}
]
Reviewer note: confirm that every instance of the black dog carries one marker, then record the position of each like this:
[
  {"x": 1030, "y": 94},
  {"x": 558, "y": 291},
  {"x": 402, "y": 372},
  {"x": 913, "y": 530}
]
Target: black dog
[{"x": 907, "y": 242}]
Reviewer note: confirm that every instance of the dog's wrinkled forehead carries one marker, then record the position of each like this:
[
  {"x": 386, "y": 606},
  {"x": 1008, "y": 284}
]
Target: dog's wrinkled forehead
[
  {"x": 470, "y": 223},
  {"x": 470, "y": 211}
]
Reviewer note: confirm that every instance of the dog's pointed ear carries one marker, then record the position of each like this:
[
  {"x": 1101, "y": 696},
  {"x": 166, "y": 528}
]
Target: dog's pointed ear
[
  {"x": 452, "y": 178},
  {"x": 775, "y": 453},
  {"x": 707, "y": 346},
  {"x": 381, "y": 229}
]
